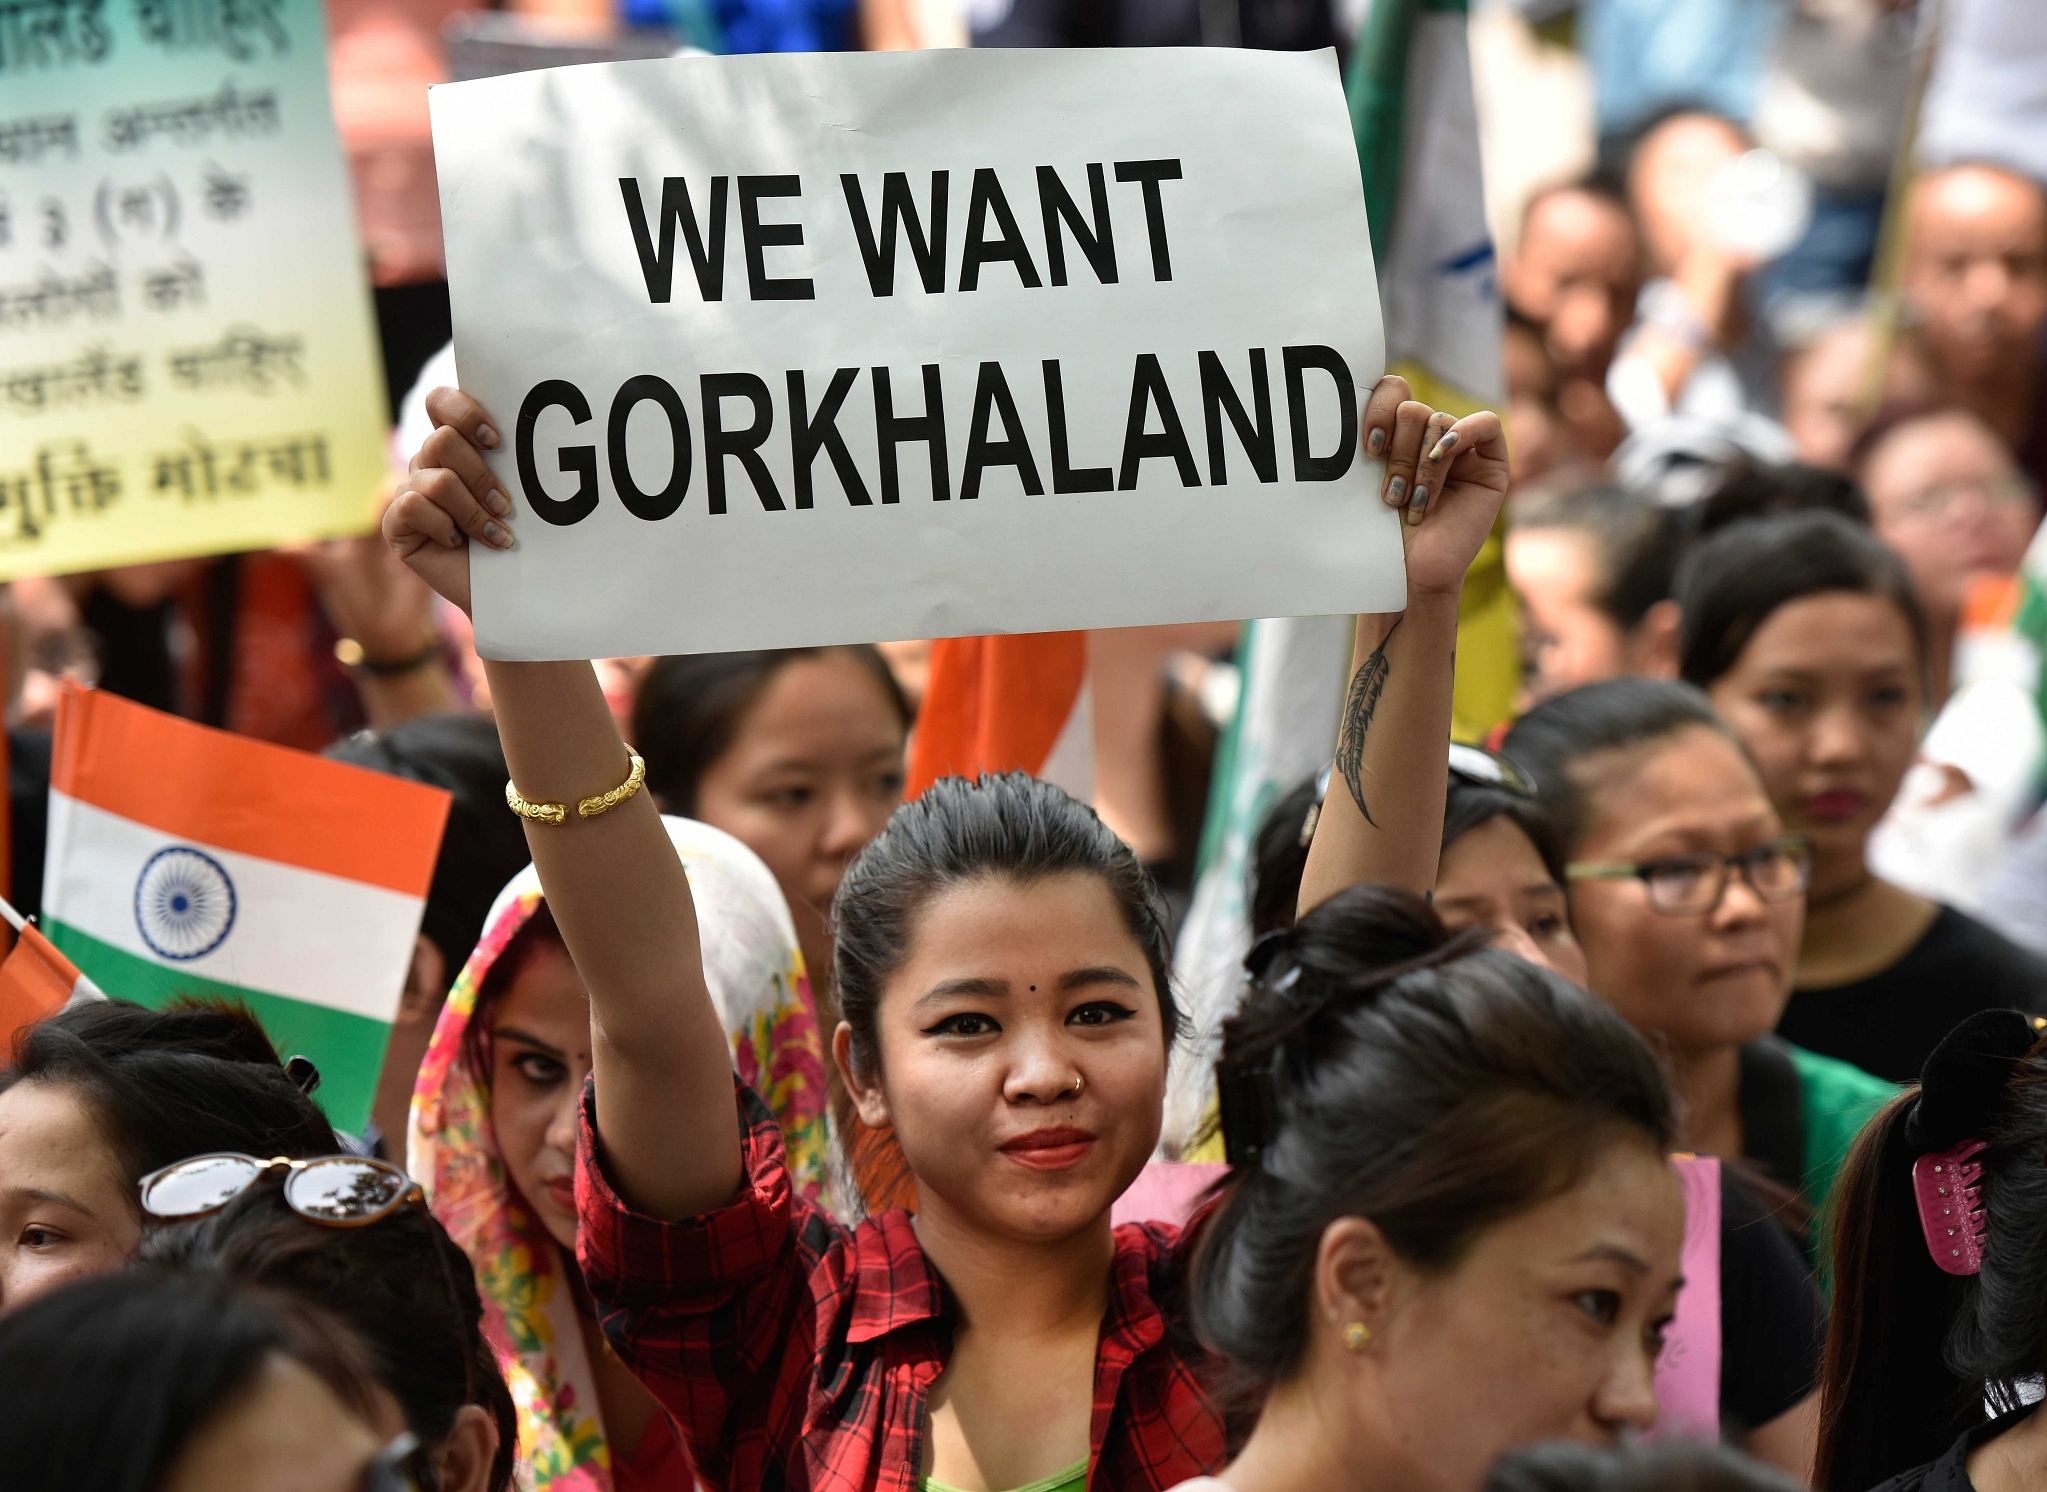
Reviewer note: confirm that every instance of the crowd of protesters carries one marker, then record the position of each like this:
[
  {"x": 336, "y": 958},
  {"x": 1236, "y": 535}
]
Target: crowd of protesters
[{"x": 765, "y": 1129}]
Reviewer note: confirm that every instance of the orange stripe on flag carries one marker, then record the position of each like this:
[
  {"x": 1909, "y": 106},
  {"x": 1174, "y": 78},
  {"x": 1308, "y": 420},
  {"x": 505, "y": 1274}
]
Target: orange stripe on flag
[
  {"x": 35, "y": 981},
  {"x": 194, "y": 782},
  {"x": 996, "y": 704},
  {"x": 1990, "y": 602}
]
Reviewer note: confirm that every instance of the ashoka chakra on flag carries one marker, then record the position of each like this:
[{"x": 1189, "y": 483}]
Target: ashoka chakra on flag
[{"x": 184, "y": 903}]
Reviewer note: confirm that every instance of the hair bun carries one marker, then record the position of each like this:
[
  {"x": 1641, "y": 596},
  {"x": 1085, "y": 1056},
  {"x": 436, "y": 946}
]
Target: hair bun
[
  {"x": 1337, "y": 958},
  {"x": 1963, "y": 1082},
  {"x": 1265, "y": 948}
]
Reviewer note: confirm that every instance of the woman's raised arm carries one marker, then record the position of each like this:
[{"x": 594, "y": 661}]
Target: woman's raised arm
[
  {"x": 1382, "y": 818},
  {"x": 665, "y": 1115}
]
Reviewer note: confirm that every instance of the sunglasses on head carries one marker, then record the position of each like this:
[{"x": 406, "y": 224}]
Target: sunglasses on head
[
  {"x": 401, "y": 1466},
  {"x": 340, "y": 1191},
  {"x": 1472, "y": 764},
  {"x": 335, "y": 1191},
  {"x": 1483, "y": 769}
]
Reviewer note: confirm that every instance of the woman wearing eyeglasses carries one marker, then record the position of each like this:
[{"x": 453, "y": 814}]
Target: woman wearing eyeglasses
[
  {"x": 1503, "y": 871},
  {"x": 1806, "y": 633},
  {"x": 1686, "y": 894}
]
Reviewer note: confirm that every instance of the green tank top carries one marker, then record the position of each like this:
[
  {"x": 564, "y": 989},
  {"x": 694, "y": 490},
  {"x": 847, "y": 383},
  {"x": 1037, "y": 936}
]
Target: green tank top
[{"x": 1072, "y": 1479}]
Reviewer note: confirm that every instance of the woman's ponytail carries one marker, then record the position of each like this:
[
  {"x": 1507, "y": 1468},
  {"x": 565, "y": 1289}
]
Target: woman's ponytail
[
  {"x": 1308, "y": 976},
  {"x": 1901, "y": 1379},
  {"x": 1888, "y": 1400}
]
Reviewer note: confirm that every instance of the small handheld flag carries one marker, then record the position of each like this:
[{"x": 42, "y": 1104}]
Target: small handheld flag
[
  {"x": 187, "y": 861},
  {"x": 35, "y": 980}
]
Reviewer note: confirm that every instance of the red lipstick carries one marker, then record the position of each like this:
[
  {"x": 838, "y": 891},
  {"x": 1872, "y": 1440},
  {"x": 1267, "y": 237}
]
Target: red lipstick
[
  {"x": 1054, "y": 1149},
  {"x": 1837, "y": 806}
]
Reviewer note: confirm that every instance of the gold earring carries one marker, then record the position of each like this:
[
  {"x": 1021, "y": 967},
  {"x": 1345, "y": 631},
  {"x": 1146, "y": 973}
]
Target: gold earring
[{"x": 1356, "y": 1335}]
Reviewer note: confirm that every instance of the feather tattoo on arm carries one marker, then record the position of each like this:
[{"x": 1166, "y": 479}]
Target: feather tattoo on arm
[{"x": 1366, "y": 685}]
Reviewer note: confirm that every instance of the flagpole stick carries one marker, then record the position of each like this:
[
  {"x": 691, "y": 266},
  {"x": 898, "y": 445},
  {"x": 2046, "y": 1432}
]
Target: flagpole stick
[
  {"x": 1886, "y": 307},
  {"x": 83, "y": 988}
]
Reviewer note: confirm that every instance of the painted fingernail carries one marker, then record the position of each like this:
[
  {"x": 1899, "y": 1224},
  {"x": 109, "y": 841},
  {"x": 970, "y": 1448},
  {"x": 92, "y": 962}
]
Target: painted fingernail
[
  {"x": 1443, "y": 446},
  {"x": 1396, "y": 491},
  {"x": 486, "y": 437},
  {"x": 497, "y": 534},
  {"x": 497, "y": 502},
  {"x": 1419, "y": 506},
  {"x": 1376, "y": 442}
]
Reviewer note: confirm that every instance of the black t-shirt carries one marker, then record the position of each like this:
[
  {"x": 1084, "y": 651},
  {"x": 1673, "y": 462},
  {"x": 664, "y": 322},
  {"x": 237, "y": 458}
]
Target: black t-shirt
[
  {"x": 1276, "y": 25},
  {"x": 1950, "y": 1473},
  {"x": 1771, "y": 1322},
  {"x": 1888, "y": 1023}
]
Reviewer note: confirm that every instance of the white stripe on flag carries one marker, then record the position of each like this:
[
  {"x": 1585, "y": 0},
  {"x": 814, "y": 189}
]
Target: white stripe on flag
[
  {"x": 1294, "y": 671},
  {"x": 299, "y": 933},
  {"x": 1070, "y": 763},
  {"x": 1440, "y": 284}
]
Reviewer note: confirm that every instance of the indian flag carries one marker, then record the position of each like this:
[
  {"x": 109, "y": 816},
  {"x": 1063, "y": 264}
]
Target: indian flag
[{"x": 188, "y": 861}]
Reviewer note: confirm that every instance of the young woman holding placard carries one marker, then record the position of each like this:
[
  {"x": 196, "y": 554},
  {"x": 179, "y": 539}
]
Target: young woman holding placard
[{"x": 1001, "y": 961}]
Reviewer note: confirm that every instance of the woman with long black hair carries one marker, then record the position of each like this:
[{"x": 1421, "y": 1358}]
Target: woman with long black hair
[{"x": 1940, "y": 1277}]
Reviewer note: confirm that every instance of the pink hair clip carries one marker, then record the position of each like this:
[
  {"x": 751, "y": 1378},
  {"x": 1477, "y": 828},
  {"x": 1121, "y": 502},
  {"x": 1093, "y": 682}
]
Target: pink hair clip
[{"x": 1948, "y": 1186}]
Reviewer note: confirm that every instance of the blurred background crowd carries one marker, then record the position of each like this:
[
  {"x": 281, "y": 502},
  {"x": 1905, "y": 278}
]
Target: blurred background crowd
[
  {"x": 1773, "y": 282},
  {"x": 1754, "y": 255}
]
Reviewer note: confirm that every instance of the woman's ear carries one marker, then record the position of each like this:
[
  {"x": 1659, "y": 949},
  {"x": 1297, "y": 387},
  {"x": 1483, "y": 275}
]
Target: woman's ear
[
  {"x": 426, "y": 984},
  {"x": 1355, "y": 1280},
  {"x": 462, "y": 1462},
  {"x": 868, "y": 1100},
  {"x": 1652, "y": 646}
]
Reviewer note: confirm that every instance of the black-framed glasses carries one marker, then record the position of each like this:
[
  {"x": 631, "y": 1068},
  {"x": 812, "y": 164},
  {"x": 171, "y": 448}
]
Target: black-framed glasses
[
  {"x": 1692, "y": 885},
  {"x": 340, "y": 1191},
  {"x": 401, "y": 1466}
]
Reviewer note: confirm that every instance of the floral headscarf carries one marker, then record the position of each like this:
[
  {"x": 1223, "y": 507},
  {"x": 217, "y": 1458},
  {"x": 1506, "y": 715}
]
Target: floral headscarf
[{"x": 755, "y": 971}]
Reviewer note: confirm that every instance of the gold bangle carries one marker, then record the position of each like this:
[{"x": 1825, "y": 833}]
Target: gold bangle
[{"x": 594, "y": 806}]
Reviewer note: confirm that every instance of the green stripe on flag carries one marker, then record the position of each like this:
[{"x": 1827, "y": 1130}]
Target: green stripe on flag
[
  {"x": 1377, "y": 92},
  {"x": 1215, "y": 819},
  {"x": 347, "y": 1048},
  {"x": 1376, "y": 88}
]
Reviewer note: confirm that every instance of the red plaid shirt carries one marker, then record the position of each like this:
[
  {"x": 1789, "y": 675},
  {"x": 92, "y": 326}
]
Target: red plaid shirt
[{"x": 797, "y": 1353}]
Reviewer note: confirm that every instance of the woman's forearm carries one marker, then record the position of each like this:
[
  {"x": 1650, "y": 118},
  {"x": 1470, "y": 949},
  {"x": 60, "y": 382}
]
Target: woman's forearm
[
  {"x": 617, "y": 891},
  {"x": 1382, "y": 818}
]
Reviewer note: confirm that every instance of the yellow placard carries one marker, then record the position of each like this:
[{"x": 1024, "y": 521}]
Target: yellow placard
[{"x": 188, "y": 363}]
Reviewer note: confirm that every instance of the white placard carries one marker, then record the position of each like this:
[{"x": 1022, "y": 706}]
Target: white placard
[{"x": 695, "y": 294}]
